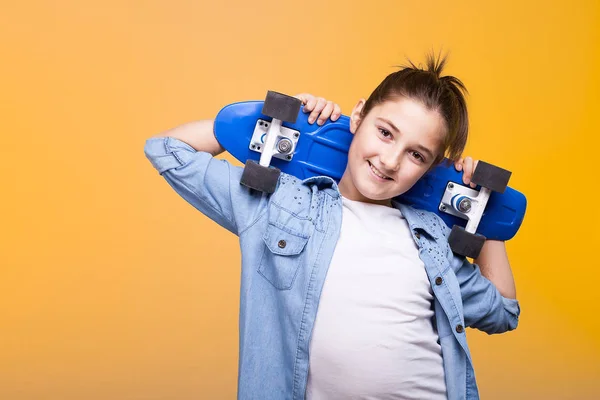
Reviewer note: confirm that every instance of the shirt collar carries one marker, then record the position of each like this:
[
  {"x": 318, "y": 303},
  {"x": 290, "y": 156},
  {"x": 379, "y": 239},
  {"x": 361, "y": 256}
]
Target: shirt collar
[
  {"x": 324, "y": 182},
  {"x": 416, "y": 218}
]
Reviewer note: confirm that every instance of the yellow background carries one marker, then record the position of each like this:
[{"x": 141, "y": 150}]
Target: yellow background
[{"x": 112, "y": 287}]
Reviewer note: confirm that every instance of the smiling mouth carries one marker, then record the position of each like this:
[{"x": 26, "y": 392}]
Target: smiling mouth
[{"x": 378, "y": 173}]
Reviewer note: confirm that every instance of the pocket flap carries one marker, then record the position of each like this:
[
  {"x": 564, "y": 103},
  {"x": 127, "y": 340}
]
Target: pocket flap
[{"x": 282, "y": 242}]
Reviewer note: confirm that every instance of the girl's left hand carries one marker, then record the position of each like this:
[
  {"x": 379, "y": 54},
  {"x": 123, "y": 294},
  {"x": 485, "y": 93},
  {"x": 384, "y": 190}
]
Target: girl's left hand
[{"x": 467, "y": 165}]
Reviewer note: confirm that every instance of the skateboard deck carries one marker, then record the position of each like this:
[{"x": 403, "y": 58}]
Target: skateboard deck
[{"x": 323, "y": 150}]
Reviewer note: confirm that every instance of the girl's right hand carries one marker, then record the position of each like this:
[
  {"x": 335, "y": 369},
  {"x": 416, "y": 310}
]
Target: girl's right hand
[{"x": 321, "y": 108}]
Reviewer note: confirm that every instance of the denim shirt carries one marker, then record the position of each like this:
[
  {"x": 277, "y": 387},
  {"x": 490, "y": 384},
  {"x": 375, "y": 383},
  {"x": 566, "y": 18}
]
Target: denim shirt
[{"x": 287, "y": 240}]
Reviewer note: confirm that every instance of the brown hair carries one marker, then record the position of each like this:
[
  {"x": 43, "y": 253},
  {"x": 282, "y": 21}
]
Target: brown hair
[{"x": 443, "y": 94}]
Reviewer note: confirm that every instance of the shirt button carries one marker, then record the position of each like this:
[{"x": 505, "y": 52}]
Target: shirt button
[
  {"x": 281, "y": 244},
  {"x": 459, "y": 328},
  {"x": 438, "y": 280}
]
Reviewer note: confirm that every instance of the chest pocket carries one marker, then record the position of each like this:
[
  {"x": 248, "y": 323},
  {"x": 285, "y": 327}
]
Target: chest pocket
[{"x": 282, "y": 256}]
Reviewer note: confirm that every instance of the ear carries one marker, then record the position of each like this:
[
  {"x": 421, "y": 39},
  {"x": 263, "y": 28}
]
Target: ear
[{"x": 355, "y": 115}]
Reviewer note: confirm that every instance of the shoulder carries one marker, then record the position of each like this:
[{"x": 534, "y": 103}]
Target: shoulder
[
  {"x": 291, "y": 194},
  {"x": 442, "y": 231},
  {"x": 438, "y": 223},
  {"x": 294, "y": 206},
  {"x": 299, "y": 196}
]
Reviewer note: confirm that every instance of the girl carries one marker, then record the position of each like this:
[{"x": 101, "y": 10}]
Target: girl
[{"x": 347, "y": 293}]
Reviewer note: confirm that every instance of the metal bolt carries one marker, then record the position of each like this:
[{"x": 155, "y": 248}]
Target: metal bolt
[
  {"x": 443, "y": 208},
  {"x": 450, "y": 185},
  {"x": 296, "y": 134},
  {"x": 464, "y": 205},
  {"x": 284, "y": 145}
]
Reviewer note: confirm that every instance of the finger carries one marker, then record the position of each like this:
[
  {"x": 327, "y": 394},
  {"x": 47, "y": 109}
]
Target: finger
[
  {"x": 302, "y": 97},
  {"x": 317, "y": 110},
  {"x": 325, "y": 113},
  {"x": 468, "y": 168},
  {"x": 311, "y": 102},
  {"x": 337, "y": 111},
  {"x": 474, "y": 185},
  {"x": 459, "y": 164}
]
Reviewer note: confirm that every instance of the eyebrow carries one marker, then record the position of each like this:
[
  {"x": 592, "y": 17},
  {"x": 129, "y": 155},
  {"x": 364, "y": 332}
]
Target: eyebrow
[{"x": 395, "y": 129}]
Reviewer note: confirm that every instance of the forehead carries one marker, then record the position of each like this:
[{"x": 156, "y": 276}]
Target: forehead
[{"x": 412, "y": 118}]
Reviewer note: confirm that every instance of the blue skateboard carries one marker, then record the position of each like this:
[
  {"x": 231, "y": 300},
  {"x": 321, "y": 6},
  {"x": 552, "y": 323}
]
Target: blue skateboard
[{"x": 273, "y": 135}]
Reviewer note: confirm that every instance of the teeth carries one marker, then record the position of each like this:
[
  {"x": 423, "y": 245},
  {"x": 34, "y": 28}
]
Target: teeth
[{"x": 377, "y": 172}]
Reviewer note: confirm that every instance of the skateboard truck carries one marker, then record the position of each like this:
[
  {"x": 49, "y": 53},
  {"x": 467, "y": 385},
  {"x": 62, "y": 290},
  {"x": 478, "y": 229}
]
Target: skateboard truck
[
  {"x": 285, "y": 144},
  {"x": 272, "y": 140},
  {"x": 469, "y": 204}
]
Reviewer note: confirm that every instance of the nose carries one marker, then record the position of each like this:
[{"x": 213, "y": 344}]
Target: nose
[{"x": 391, "y": 160}]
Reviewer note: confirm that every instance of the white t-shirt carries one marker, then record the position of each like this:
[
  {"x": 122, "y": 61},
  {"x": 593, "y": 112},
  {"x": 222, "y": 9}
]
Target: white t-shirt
[{"x": 373, "y": 336}]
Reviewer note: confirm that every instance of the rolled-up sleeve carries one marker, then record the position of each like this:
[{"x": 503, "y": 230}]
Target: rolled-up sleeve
[
  {"x": 484, "y": 307},
  {"x": 209, "y": 184}
]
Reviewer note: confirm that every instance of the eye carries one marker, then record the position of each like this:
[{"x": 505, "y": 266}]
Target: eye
[
  {"x": 385, "y": 133},
  {"x": 418, "y": 156}
]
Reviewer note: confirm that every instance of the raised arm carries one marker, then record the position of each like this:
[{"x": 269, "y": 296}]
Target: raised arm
[
  {"x": 494, "y": 265},
  {"x": 198, "y": 134},
  {"x": 493, "y": 259},
  {"x": 487, "y": 286},
  {"x": 184, "y": 156}
]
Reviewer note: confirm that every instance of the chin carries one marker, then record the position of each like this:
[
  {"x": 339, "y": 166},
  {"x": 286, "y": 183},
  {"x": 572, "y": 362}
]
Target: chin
[
  {"x": 370, "y": 189},
  {"x": 367, "y": 192}
]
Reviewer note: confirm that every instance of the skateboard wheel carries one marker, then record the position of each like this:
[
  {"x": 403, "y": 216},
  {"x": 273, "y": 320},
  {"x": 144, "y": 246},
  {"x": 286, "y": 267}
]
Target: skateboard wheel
[
  {"x": 491, "y": 177},
  {"x": 281, "y": 106},
  {"x": 464, "y": 243},
  {"x": 263, "y": 179}
]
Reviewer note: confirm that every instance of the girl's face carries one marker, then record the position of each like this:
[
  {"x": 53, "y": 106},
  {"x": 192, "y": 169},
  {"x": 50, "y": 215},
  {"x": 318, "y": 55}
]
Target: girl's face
[{"x": 392, "y": 148}]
